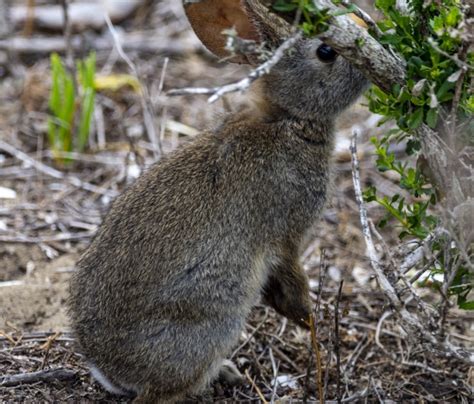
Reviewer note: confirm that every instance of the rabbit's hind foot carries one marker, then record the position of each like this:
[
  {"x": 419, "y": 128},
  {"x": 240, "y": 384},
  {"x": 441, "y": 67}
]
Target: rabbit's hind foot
[{"x": 229, "y": 374}]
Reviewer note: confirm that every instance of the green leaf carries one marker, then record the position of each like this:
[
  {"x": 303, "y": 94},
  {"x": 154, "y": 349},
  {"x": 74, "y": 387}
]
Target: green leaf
[
  {"x": 443, "y": 91},
  {"x": 418, "y": 101},
  {"x": 468, "y": 305},
  {"x": 62, "y": 106},
  {"x": 415, "y": 119},
  {"x": 432, "y": 117},
  {"x": 87, "y": 74},
  {"x": 384, "y": 5},
  {"x": 413, "y": 146},
  {"x": 453, "y": 16},
  {"x": 438, "y": 24},
  {"x": 284, "y": 6},
  {"x": 369, "y": 194}
]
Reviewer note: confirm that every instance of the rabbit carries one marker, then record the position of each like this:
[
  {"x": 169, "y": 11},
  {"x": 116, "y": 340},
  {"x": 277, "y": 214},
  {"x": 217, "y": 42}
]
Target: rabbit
[{"x": 162, "y": 293}]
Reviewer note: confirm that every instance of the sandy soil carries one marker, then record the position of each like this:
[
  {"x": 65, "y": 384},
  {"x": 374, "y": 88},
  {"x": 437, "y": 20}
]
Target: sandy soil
[{"x": 38, "y": 301}]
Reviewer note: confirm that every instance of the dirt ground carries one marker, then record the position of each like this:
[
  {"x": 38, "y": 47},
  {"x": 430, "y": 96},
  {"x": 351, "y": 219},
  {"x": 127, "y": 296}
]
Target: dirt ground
[{"x": 47, "y": 220}]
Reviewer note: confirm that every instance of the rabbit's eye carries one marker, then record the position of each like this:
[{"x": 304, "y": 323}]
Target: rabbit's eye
[{"x": 326, "y": 54}]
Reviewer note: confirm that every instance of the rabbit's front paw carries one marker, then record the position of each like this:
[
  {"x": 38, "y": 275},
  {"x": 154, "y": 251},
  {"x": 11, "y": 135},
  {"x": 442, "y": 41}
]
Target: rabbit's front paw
[
  {"x": 296, "y": 307},
  {"x": 289, "y": 298}
]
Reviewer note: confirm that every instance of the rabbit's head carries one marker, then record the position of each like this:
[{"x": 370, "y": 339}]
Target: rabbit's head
[{"x": 310, "y": 82}]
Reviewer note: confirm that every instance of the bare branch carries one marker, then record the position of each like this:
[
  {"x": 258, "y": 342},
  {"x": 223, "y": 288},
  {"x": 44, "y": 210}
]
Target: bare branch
[
  {"x": 353, "y": 42},
  {"x": 363, "y": 16},
  {"x": 243, "y": 84},
  {"x": 371, "y": 251},
  {"x": 337, "y": 342},
  {"x": 415, "y": 256}
]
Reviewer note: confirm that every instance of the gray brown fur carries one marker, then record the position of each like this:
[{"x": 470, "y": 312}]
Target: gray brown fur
[{"x": 161, "y": 295}]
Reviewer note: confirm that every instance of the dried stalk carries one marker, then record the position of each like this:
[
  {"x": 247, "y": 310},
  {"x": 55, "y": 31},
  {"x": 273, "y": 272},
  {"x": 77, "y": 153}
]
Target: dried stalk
[
  {"x": 337, "y": 343},
  {"x": 147, "y": 107},
  {"x": 315, "y": 345}
]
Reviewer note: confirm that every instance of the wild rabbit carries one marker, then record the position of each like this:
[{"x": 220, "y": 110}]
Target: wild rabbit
[{"x": 161, "y": 295}]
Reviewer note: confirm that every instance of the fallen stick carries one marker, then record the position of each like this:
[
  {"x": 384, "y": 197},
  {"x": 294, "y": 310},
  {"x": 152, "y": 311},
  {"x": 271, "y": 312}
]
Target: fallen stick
[
  {"x": 145, "y": 43},
  {"x": 51, "y": 172},
  {"x": 5, "y": 238},
  {"x": 83, "y": 15},
  {"x": 40, "y": 376}
]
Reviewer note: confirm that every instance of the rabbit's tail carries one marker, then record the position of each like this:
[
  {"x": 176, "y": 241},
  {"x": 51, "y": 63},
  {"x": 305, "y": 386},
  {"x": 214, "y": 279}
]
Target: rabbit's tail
[{"x": 98, "y": 375}]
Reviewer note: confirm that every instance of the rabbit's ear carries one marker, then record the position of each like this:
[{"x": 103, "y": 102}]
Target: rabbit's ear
[
  {"x": 272, "y": 29},
  {"x": 209, "y": 18},
  {"x": 250, "y": 18}
]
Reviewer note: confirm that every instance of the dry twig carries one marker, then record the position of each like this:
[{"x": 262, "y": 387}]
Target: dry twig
[
  {"x": 44, "y": 169},
  {"x": 40, "y": 376},
  {"x": 252, "y": 382},
  {"x": 337, "y": 342},
  {"x": 243, "y": 84},
  {"x": 315, "y": 345},
  {"x": 147, "y": 107}
]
